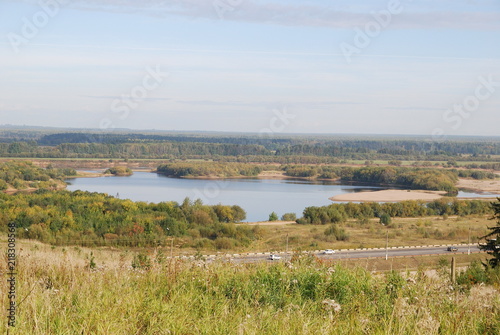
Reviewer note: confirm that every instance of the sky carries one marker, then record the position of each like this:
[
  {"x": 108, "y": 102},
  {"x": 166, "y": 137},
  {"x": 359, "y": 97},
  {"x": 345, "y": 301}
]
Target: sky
[{"x": 296, "y": 66}]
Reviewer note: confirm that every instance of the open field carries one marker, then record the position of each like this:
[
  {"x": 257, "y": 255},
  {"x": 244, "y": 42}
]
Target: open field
[{"x": 369, "y": 234}]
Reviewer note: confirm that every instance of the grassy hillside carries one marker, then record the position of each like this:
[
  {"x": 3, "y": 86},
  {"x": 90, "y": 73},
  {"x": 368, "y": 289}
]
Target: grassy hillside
[{"x": 83, "y": 291}]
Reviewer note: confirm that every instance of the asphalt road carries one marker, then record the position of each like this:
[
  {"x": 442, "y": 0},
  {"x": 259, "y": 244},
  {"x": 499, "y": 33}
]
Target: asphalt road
[{"x": 357, "y": 254}]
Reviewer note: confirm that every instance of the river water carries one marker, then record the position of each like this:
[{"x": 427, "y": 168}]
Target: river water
[{"x": 258, "y": 197}]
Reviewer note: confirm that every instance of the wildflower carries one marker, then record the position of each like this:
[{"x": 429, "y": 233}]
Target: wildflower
[{"x": 330, "y": 304}]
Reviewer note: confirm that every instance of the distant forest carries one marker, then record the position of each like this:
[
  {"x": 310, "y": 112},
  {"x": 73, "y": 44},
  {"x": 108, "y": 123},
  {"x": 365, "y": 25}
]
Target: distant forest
[{"x": 247, "y": 148}]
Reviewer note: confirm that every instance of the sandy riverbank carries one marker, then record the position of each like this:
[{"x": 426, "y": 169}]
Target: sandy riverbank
[
  {"x": 389, "y": 196},
  {"x": 480, "y": 186}
]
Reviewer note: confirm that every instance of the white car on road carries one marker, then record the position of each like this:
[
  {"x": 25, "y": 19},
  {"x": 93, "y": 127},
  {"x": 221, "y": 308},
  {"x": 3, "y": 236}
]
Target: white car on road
[
  {"x": 328, "y": 252},
  {"x": 274, "y": 257}
]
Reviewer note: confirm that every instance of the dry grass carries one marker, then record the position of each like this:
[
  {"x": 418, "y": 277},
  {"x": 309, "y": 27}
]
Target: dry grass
[
  {"x": 372, "y": 234},
  {"x": 64, "y": 296}
]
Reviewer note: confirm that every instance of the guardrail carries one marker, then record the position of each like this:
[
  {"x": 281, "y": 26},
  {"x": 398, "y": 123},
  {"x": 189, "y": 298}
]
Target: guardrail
[{"x": 320, "y": 251}]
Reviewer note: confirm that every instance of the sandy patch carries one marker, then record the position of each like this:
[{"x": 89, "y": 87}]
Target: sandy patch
[
  {"x": 268, "y": 223},
  {"x": 389, "y": 196},
  {"x": 272, "y": 174},
  {"x": 487, "y": 186}
]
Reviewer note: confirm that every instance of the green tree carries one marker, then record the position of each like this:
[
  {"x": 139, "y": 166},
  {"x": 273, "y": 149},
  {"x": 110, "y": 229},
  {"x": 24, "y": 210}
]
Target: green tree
[
  {"x": 385, "y": 219},
  {"x": 492, "y": 246},
  {"x": 273, "y": 217}
]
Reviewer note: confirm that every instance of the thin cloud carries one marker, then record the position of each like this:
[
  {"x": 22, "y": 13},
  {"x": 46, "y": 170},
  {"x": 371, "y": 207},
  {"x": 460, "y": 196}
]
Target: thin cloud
[
  {"x": 308, "y": 104},
  {"x": 298, "y": 15},
  {"x": 111, "y": 97}
]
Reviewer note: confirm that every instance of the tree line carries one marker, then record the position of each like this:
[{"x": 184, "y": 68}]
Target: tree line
[
  {"x": 209, "y": 169},
  {"x": 340, "y": 212},
  {"x": 154, "y": 146},
  {"x": 88, "y": 218}
]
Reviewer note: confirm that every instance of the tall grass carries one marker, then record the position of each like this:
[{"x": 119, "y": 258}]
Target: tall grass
[{"x": 65, "y": 295}]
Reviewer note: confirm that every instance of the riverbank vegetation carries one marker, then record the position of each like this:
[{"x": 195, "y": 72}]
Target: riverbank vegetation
[
  {"x": 98, "y": 219},
  {"x": 20, "y": 175},
  {"x": 209, "y": 169},
  {"x": 119, "y": 171},
  {"x": 94, "y": 219},
  {"x": 405, "y": 177},
  {"x": 97, "y": 291},
  {"x": 336, "y": 213}
]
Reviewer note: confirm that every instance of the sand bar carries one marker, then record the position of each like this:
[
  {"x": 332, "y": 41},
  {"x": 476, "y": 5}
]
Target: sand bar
[
  {"x": 486, "y": 185},
  {"x": 389, "y": 196}
]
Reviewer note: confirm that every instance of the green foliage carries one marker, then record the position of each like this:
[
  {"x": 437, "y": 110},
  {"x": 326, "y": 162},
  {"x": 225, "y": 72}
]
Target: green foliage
[
  {"x": 394, "y": 284},
  {"x": 21, "y": 175},
  {"x": 492, "y": 245},
  {"x": 324, "y": 215},
  {"x": 474, "y": 274},
  {"x": 335, "y": 213},
  {"x": 90, "y": 219},
  {"x": 119, "y": 171},
  {"x": 209, "y": 169},
  {"x": 91, "y": 264},
  {"x": 273, "y": 217},
  {"x": 415, "y": 178},
  {"x": 339, "y": 233},
  {"x": 289, "y": 217},
  {"x": 247, "y": 148},
  {"x": 385, "y": 219}
]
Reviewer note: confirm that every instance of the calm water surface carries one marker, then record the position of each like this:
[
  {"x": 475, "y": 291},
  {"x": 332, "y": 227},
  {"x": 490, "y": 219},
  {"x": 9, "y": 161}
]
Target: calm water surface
[{"x": 259, "y": 197}]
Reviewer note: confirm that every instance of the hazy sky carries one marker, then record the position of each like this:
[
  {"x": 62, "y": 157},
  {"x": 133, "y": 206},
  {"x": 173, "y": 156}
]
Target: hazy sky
[{"x": 294, "y": 66}]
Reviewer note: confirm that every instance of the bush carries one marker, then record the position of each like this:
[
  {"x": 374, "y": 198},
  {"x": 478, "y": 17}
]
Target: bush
[
  {"x": 339, "y": 233},
  {"x": 385, "y": 219},
  {"x": 474, "y": 274},
  {"x": 289, "y": 217}
]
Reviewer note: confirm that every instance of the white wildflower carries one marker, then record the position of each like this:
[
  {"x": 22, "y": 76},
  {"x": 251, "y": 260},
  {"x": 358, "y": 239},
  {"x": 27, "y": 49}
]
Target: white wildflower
[{"x": 330, "y": 304}]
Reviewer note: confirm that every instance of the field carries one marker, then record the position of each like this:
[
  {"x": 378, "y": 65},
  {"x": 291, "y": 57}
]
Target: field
[
  {"x": 76, "y": 290},
  {"x": 372, "y": 234}
]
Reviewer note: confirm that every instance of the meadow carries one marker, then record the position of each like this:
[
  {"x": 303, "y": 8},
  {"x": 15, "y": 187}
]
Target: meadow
[{"x": 73, "y": 290}]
